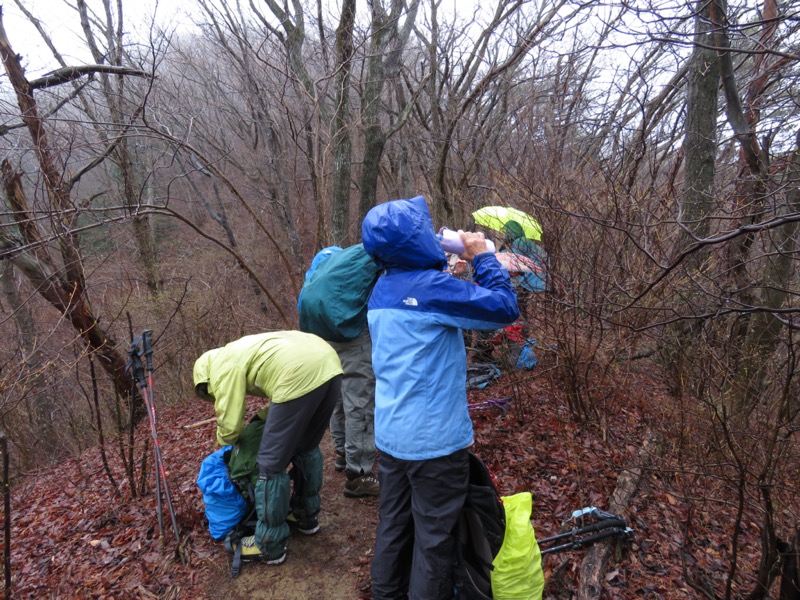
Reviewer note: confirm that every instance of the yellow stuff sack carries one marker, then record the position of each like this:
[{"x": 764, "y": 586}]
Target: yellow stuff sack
[{"x": 517, "y": 573}]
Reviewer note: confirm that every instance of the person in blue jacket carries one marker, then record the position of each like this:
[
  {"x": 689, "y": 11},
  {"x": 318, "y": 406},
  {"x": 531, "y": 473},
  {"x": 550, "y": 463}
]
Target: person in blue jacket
[{"x": 422, "y": 423}]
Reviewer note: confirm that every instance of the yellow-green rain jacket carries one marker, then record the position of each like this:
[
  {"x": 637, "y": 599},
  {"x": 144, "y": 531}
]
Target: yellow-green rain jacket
[{"x": 279, "y": 365}]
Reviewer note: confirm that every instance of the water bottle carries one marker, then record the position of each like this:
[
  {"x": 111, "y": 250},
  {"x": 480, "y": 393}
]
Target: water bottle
[{"x": 451, "y": 241}]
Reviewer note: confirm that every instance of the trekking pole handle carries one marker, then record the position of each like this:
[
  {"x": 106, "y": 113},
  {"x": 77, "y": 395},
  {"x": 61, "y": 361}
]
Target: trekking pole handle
[
  {"x": 147, "y": 348},
  {"x": 594, "y": 512},
  {"x": 135, "y": 366}
]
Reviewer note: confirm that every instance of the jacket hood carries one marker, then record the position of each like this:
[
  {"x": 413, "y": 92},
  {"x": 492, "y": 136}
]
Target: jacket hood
[
  {"x": 400, "y": 233},
  {"x": 202, "y": 367}
]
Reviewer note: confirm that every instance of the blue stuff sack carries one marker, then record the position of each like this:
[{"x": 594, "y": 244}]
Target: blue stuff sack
[
  {"x": 527, "y": 359},
  {"x": 225, "y": 505}
]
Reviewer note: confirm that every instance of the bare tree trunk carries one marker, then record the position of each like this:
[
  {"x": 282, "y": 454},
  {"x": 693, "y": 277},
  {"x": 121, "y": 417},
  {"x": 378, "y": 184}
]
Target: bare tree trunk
[
  {"x": 142, "y": 226},
  {"x": 758, "y": 334},
  {"x": 593, "y": 565},
  {"x": 763, "y": 334},
  {"x": 129, "y": 166},
  {"x": 342, "y": 144},
  {"x": 700, "y": 140},
  {"x": 698, "y": 193},
  {"x": 292, "y": 35},
  {"x": 7, "y": 513},
  {"x": 387, "y": 42},
  {"x": 64, "y": 289},
  {"x": 374, "y": 136},
  {"x": 790, "y": 575}
]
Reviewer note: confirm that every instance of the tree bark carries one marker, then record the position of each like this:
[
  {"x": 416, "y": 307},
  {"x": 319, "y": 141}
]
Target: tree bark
[
  {"x": 342, "y": 144},
  {"x": 387, "y": 42},
  {"x": 700, "y": 140}
]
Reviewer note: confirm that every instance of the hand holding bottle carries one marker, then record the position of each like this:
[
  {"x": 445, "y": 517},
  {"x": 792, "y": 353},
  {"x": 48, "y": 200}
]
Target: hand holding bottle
[
  {"x": 452, "y": 241},
  {"x": 474, "y": 244}
]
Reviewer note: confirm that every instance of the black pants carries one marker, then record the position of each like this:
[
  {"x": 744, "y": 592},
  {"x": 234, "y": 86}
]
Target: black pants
[
  {"x": 419, "y": 506},
  {"x": 296, "y": 426}
]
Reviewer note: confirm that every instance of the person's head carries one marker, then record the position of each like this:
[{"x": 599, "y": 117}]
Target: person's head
[
  {"x": 202, "y": 375},
  {"x": 513, "y": 230},
  {"x": 400, "y": 233},
  {"x": 201, "y": 391}
]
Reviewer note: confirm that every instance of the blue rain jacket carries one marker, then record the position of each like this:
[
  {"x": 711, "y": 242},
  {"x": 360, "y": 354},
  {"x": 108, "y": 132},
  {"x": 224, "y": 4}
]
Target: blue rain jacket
[{"x": 416, "y": 314}]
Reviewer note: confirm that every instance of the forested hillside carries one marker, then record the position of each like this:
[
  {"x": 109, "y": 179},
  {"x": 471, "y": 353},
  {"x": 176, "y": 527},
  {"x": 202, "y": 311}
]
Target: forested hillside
[{"x": 179, "y": 177}]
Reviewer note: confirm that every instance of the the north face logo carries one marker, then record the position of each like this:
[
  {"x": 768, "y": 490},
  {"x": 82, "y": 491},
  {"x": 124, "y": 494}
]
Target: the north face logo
[{"x": 411, "y": 302}]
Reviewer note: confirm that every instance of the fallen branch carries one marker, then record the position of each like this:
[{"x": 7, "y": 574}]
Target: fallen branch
[
  {"x": 593, "y": 566},
  {"x": 66, "y": 74},
  {"x": 199, "y": 423}
]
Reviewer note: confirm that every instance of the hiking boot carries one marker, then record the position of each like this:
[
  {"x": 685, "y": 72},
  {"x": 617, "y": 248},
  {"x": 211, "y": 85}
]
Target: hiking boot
[
  {"x": 306, "y": 528},
  {"x": 250, "y": 551},
  {"x": 341, "y": 462},
  {"x": 362, "y": 485}
]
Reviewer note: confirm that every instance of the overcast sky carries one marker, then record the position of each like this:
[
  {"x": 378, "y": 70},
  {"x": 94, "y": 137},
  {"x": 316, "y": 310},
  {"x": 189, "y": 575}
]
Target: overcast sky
[{"x": 62, "y": 23}]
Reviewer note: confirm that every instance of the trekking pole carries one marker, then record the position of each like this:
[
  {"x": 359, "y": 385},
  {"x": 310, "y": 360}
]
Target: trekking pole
[
  {"x": 136, "y": 370},
  {"x": 146, "y": 385},
  {"x": 607, "y": 525},
  {"x": 147, "y": 351}
]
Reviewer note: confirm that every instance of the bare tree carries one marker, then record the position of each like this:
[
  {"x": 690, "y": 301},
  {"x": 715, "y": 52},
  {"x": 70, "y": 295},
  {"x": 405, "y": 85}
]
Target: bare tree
[
  {"x": 482, "y": 65},
  {"x": 387, "y": 42},
  {"x": 62, "y": 285}
]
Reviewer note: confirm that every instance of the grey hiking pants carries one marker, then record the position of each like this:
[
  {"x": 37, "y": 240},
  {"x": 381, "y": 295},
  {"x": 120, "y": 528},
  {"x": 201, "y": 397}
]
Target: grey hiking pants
[
  {"x": 420, "y": 503},
  {"x": 353, "y": 419}
]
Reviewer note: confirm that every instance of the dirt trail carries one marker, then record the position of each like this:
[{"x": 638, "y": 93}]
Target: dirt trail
[{"x": 329, "y": 565}]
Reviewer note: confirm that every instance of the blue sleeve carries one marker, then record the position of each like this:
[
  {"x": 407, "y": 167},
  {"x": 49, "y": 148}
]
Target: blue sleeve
[{"x": 489, "y": 303}]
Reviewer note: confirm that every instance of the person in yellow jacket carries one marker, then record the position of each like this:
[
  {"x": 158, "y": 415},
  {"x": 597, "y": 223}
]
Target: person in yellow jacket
[{"x": 301, "y": 375}]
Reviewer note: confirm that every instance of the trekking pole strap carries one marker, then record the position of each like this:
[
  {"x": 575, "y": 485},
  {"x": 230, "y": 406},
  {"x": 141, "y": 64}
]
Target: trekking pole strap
[
  {"x": 135, "y": 366},
  {"x": 236, "y": 564},
  {"x": 147, "y": 349}
]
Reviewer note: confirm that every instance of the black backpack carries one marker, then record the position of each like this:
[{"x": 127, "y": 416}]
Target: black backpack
[{"x": 479, "y": 534}]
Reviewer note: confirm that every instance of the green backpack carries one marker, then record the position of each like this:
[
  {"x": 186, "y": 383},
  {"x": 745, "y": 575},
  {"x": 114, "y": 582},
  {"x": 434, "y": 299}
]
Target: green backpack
[
  {"x": 243, "y": 472},
  {"x": 242, "y": 466}
]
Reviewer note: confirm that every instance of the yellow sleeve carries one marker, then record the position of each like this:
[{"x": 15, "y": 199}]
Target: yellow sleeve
[{"x": 230, "y": 388}]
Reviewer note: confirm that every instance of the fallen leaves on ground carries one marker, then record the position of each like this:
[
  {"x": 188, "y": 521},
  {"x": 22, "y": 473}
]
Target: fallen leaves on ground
[{"x": 75, "y": 535}]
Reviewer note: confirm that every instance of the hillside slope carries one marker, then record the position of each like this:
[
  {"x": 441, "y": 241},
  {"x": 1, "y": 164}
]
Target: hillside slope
[{"x": 73, "y": 538}]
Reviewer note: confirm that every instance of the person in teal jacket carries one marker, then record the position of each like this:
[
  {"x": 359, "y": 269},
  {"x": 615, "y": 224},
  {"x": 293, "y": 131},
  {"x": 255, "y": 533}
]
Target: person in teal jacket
[
  {"x": 301, "y": 375},
  {"x": 333, "y": 305}
]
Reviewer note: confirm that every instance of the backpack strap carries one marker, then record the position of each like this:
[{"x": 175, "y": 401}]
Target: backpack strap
[
  {"x": 233, "y": 541},
  {"x": 236, "y": 548}
]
